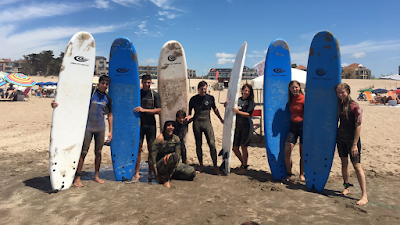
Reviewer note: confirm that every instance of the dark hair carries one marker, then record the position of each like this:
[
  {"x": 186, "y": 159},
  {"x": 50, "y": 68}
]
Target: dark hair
[
  {"x": 251, "y": 96},
  {"x": 346, "y": 102},
  {"x": 290, "y": 93},
  {"x": 201, "y": 84},
  {"x": 105, "y": 78},
  {"x": 166, "y": 124},
  {"x": 180, "y": 113},
  {"x": 146, "y": 77}
]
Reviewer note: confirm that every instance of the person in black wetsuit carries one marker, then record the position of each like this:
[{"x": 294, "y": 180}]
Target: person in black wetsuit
[
  {"x": 202, "y": 103},
  {"x": 150, "y": 105},
  {"x": 244, "y": 126},
  {"x": 348, "y": 139}
]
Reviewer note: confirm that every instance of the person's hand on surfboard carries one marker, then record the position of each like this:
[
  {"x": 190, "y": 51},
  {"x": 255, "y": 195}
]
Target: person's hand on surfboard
[
  {"x": 138, "y": 109},
  {"x": 109, "y": 137},
  {"x": 54, "y": 104},
  {"x": 235, "y": 110}
]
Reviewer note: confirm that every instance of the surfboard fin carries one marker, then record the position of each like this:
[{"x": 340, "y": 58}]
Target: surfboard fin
[{"x": 224, "y": 155}]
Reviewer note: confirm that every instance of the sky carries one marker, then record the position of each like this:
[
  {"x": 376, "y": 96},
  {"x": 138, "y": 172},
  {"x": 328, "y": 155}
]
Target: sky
[{"x": 210, "y": 31}]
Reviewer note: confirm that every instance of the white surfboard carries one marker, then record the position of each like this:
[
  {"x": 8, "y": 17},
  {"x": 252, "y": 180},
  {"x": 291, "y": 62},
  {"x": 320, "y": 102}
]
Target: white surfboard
[
  {"x": 173, "y": 85},
  {"x": 231, "y": 102},
  {"x": 70, "y": 117}
]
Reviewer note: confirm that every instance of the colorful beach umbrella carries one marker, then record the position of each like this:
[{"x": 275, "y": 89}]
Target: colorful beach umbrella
[
  {"x": 20, "y": 80},
  {"x": 2, "y": 81}
]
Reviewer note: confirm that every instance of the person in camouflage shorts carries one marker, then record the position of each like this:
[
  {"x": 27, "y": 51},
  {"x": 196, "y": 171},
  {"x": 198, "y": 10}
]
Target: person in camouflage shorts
[{"x": 165, "y": 155}]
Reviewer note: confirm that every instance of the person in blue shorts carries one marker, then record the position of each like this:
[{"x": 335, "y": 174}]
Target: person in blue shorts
[{"x": 100, "y": 105}]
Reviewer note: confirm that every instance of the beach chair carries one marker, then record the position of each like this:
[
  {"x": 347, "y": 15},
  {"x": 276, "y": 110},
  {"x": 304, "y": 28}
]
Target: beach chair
[
  {"x": 257, "y": 126},
  {"x": 371, "y": 100},
  {"x": 392, "y": 94}
]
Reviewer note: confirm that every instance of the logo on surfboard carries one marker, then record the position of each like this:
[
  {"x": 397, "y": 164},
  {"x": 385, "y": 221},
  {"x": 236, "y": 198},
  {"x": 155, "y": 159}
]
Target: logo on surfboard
[
  {"x": 279, "y": 70},
  {"x": 320, "y": 72},
  {"x": 80, "y": 58},
  {"x": 171, "y": 58},
  {"x": 122, "y": 70}
]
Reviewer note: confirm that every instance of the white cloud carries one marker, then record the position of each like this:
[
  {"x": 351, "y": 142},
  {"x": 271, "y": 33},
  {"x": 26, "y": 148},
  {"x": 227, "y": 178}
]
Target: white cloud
[
  {"x": 167, "y": 14},
  {"x": 143, "y": 31},
  {"x": 161, "y": 19},
  {"x": 14, "y": 46},
  {"x": 101, "y": 4},
  {"x": 224, "y": 55},
  {"x": 40, "y": 10},
  {"x": 148, "y": 61},
  {"x": 127, "y": 2},
  {"x": 222, "y": 61},
  {"x": 166, "y": 5},
  {"x": 370, "y": 46},
  {"x": 257, "y": 54},
  {"x": 345, "y": 64},
  {"x": 358, "y": 55}
]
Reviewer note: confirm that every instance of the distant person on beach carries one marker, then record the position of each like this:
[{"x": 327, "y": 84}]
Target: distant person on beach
[
  {"x": 10, "y": 91},
  {"x": 244, "y": 126},
  {"x": 150, "y": 105},
  {"x": 181, "y": 126},
  {"x": 348, "y": 139},
  {"x": 40, "y": 91},
  {"x": 296, "y": 104},
  {"x": 164, "y": 157},
  {"x": 202, "y": 104},
  {"x": 100, "y": 105}
]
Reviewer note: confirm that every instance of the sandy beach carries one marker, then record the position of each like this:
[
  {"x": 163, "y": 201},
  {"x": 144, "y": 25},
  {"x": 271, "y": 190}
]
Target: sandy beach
[{"x": 209, "y": 199}]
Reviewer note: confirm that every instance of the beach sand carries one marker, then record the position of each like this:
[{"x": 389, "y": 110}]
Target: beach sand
[{"x": 209, "y": 199}]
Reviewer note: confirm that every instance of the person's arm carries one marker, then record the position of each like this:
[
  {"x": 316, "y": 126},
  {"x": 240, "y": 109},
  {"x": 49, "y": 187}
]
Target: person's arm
[
  {"x": 153, "y": 155},
  {"x": 244, "y": 114},
  {"x": 54, "y": 104},
  {"x": 354, "y": 149},
  {"x": 110, "y": 126},
  {"x": 218, "y": 115},
  {"x": 189, "y": 117},
  {"x": 149, "y": 111}
]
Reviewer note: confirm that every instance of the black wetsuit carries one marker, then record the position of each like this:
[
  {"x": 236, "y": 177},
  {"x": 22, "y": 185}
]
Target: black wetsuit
[
  {"x": 181, "y": 131},
  {"x": 202, "y": 124},
  {"x": 244, "y": 126},
  {"x": 149, "y": 100}
]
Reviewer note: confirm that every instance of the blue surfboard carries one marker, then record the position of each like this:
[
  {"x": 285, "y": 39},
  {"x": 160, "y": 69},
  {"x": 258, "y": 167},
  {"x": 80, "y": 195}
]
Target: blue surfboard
[
  {"x": 277, "y": 75},
  {"x": 320, "y": 109},
  {"x": 125, "y": 94}
]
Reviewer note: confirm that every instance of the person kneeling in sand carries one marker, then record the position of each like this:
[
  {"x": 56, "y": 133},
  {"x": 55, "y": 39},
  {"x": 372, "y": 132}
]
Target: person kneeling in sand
[
  {"x": 348, "y": 139},
  {"x": 164, "y": 157},
  {"x": 100, "y": 105}
]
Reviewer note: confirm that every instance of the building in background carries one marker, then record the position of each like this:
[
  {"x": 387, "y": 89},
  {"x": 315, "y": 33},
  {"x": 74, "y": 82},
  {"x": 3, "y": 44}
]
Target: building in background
[
  {"x": 9, "y": 66},
  {"x": 152, "y": 71},
  {"x": 101, "y": 66},
  {"x": 301, "y": 67},
  {"x": 355, "y": 71},
  {"x": 224, "y": 74}
]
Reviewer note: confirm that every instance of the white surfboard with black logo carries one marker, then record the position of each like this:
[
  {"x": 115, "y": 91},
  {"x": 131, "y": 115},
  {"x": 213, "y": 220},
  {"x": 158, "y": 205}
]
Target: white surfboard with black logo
[
  {"x": 70, "y": 117},
  {"x": 173, "y": 85}
]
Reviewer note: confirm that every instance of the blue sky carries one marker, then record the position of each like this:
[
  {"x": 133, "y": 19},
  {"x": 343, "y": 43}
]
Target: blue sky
[{"x": 211, "y": 31}]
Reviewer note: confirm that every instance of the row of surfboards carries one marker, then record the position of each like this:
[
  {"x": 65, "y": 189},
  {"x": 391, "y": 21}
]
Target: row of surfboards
[{"x": 75, "y": 82}]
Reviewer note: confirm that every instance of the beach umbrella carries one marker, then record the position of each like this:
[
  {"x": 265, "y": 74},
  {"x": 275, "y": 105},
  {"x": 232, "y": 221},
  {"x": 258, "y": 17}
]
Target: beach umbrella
[
  {"x": 368, "y": 89},
  {"x": 380, "y": 91},
  {"x": 20, "y": 79},
  {"x": 40, "y": 83},
  {"x": 2, "y": 81}
]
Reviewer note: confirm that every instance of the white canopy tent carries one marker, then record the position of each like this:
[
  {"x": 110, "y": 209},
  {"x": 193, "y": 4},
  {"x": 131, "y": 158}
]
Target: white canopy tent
[
  {"x": 299, "y": 75},
  {"x": 391, "y": 77}
]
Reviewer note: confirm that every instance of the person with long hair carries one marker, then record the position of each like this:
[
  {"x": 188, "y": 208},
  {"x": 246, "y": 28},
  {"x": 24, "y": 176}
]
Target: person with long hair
[
  {"x": 296, "y": 104},
  {"x": 164, "y": 157},
  {"x": 348, "y": 139},
  {"x": 244, "y": 126}
]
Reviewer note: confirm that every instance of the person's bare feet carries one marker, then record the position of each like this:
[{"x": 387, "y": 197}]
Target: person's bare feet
[
  {"x": 167, "y": 184},
  {"x": 98, "y": 180},
  {"x": 363, "y": 201},
  {"x": 216, "y": 171},
  {"x": 137, "y": 177},
  {"x": 78, "y": 182},
  {"x": 346, "y": 192},
  {"x": 302, "y": 178}
]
